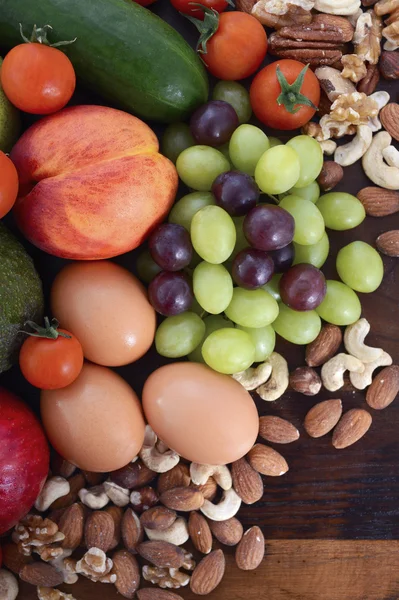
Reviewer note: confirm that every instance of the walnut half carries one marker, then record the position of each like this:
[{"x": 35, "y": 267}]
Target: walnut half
[
  {"x": 354, "y": 67},
  {"x": 368, "y": 36}
]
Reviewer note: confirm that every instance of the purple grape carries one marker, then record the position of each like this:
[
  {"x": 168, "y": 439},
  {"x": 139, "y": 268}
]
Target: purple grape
[
  {"x": 268, "y": 227},
  {"x": 170, "y": 293},
  {"x": 213, "y": 123},
  {"x": 252, "y": 268},
  {"x": 171, "y": 247},
  {"x": 236, "y": 192},
  {"x": 303, "y": 287},
  {"x": 283, "y": 258}
]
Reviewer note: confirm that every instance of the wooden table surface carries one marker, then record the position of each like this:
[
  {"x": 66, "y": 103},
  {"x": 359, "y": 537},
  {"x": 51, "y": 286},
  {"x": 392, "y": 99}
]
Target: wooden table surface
[{"x": 332, "y": 522}]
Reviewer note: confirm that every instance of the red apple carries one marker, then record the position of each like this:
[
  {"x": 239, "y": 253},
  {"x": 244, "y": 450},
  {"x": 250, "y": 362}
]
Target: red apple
[{"x": 24, "y": 459}]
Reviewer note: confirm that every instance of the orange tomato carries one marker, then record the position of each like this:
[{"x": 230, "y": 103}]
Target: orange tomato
[{"x": 8, "y": 184}]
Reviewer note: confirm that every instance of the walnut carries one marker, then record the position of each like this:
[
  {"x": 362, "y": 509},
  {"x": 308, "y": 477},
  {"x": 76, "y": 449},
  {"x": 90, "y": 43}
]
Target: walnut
[
  {"x": 48, "y": 553},
  {"x": 328, "y": 128},
  {"x": 354, "y": 67},
  {"x": 35, "y": 532},
  {"x": 94, "y": 565},
  {"x": 355, "y": 108},
  {"x": 367, "y": 37},
  {"x": 282, "y": 13},
  {"x": 165, "y": 578},
  {"x": 59, "y": 564},
  {"x": 45, "y": 593},
  {"x": 391, "y": 29}
]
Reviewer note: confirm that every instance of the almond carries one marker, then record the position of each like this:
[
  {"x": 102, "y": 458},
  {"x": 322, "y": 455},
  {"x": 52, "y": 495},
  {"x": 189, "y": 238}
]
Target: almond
[
  {"x": 127, "y": 572},
  {"x": 162, "y": 554},
  {"x": 208, "y": 573},
  {"x": 305, "y": 380},
  {"x": 99, "y": 530},
  {"x": 323, "y": 417},
  {"x": 76, "y": 483},
  {"x": 330, "y": 175},
  {"x": 388, "y": 243},
  {"x": 158, "y": 518},
  {"x": 143, "y": 499},
  {"x": 384, "y": 388},
  {"x": 156, "y": 594},
  {"x": 389, "y": 116},
  {"x": 183, "y": 499},
  {"x": 277, "y": 430},
  {"x": 351, "y": 428},
  {"x": 208, "y": 489},
  {"x": 132, "y": 531},
  {"x": 229, "y": 532},
  {"x": 41, "y": 574},
  {"x": 324, "y": 346},
  {"x": 251, "y": 550},
  {"x": 116, "y": 513},
  {"x": 133, "y": 475},
  {"x": 379, "y": 202},
  {"x": 179, "y": 476},
  {"x": 71, "y": 524},
  {"x": 246, "y": 481},
  {"x": 389, "y": 64},
  {"x": 267, "y": 461},
  {"x": 200, "y": 533},
  {"x": 13, "y": 559}
]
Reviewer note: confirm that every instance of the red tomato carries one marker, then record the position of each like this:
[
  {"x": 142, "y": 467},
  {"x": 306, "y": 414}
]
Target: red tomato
[
  {"x": 187, "y": 6},
  {"x": 50, "y": 364},
  {"x": 237, "y": 47},
  {"x": 8, "y": 184},
  {"x": 37, "y": 79},
  {"x": 272, "y": 100}
]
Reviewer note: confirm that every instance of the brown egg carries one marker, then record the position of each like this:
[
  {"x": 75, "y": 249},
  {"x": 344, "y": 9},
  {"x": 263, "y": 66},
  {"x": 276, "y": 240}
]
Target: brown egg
[
  {"x": 96, "y": 422},
  {"x": 205, "y": 416},
  {"x": 106, "y": 307}
]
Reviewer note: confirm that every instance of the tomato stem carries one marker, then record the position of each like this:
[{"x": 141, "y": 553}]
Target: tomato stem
[
  {"x": 49, "y": 331},
  {"x": 291, "y": 96},
  {"x": 207, "y": 28},
  {"x": 39, "y": 36}
]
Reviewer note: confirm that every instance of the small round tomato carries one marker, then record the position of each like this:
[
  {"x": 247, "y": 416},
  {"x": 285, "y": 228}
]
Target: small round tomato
[
  {"x": 8, "y": 184},
  {"x": 188, "y": 7},
  {"x": 37, "y": 78},
  {"x": 285, "y": 94},
  {"x": 51, "y": 358}
]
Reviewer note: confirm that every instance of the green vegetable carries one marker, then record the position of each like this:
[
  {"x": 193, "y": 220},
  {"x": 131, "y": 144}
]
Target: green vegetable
[
  {"x": 123, "y": 52},
  {"x": 10, "y": 122},
  {"x": 21, "y": 296}
]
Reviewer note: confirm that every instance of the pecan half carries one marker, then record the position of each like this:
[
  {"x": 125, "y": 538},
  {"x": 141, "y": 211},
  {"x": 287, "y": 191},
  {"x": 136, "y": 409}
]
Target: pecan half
[
  {"x": 323, "y": 28},
  {"x": 369, "y": 83},
  {"x": 315, "y": 57}
]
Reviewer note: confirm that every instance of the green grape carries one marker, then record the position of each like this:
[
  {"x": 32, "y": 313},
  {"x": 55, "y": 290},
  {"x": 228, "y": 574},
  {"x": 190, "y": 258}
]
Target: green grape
[
  {"x": 273, "y": 141},
  {"x": 310, "y": 156},
  {"x": 341, "y": 211},
  {"x": 341, "y": 306},
  {"x": 309, "y": 192},
  {"x": 176, "y": 138},
  {"x": 183, "y": 211},
  {"x": 297, "y": 327},
  {"x": 252, "y": 308},
  {"x": 228, "y": 351},
  {"x": 309, "y": 223},
  {"x": 235, "y": 94},
  {"x": 264, "y": 340},
  {"x": 273, "y": 286},
  {"x": 241, "y": 240},
  {"x": 212, "y": 323},
  {"x": 197, "y": 309},
  {"x": 146, "y": 266},
  {"x": 213, "y": 234},
  {"x": 199, "y": 166},
  {"x": 247, "y": 144},
  {"x": 315, "y": 254},
  {"x": 213, "y": 287},
  {"x": 360, "y": 267},
  {"x": 179, "y": 335},
  {"x": 278, "y": 170}
]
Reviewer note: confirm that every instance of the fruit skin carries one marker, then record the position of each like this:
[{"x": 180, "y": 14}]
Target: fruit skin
[
  {"x": 10, "y": 122},
  {"x": 21, "y": 296},
  {"x": 112, "y": 54},
  {"x": 24, "y": 459},
  {"x": 8, "y": 184},
  {"x": 101, "y": 185}
]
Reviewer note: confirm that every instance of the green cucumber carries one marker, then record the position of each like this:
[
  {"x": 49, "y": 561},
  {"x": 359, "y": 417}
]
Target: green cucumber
[{"x": 123, "y": 52}]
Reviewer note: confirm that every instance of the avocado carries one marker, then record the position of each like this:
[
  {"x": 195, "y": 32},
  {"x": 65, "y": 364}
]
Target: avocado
[
  {"x": 10, "y": 122},
  {"x": 21, "y": 296}
]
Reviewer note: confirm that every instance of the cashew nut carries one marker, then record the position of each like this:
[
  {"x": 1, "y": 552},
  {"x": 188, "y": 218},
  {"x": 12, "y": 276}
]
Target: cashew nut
[
  {"x": 228, "y": 506},
  {"x": 362, "y": 380},
  {"x": 175, "y": 534},
  {"x": 350, "y": 153},
  {"x": 381, "y": 99},
  {"x": 220, "y": 473},
  {"x": 391, "y": 156},
  {"x": 337, "y": 7},
  {"x": 254, "y": 377},
  {"x": 156, "y": 455},
  {"x": 332, "y": 372},
  {"x": 354, "y": 342},
  {"x": 94, "y": 498},
  {"x": 328, "y": 147},
  {"x": 277, "y": 384},
  {"x": 117, "y": 494},
  {"x": 8, "y": 585},
  {"x": 54, "y": 488},
  {"x": 374, "y": 166}
]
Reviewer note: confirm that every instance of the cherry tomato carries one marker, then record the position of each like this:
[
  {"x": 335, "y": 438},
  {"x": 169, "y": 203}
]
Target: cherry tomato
[
  {"x": 37, "y": 79},
  {"x": 51, "y": 363},
  {"x": 232, "y": 44},
  {"x": 187, "y": 7},
  {"x": 285, "y": 94},
  {"x": 8, "y": 184}
]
